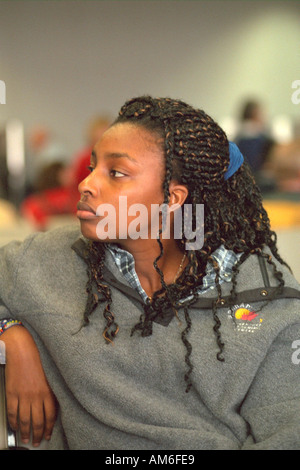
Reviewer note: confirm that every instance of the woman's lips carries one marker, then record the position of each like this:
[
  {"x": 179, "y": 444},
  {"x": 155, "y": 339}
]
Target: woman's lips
[{"x": 84, "y": 211}]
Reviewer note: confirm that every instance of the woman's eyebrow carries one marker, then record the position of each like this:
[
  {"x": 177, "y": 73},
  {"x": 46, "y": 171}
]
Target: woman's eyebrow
[
  {"x": 107, "y": 156},
  {"x": 119, "y": 155}
]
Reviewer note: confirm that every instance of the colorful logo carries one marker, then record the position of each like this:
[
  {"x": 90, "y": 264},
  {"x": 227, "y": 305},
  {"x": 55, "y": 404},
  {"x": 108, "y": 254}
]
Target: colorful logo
[
  {"x": 245, "y": 314},
  {"x": 245, "y": 318}
]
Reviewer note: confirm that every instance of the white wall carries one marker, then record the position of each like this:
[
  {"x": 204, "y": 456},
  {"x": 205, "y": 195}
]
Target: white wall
[{"x": 63, "y": 61}]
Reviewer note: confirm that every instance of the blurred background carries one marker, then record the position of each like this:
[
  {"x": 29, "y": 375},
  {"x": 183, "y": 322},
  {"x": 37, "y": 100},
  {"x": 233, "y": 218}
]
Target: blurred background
[{"x": 66, "y": 67}]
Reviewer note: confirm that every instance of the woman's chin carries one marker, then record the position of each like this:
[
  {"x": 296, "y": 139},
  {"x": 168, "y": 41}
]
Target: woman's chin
[{"x": 88, "y": 231}]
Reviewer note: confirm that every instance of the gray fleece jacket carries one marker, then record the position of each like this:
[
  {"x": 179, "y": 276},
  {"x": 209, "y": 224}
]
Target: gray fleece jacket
[{"x": 131, "y": 395}]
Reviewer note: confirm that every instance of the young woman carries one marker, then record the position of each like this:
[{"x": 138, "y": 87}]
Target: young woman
[{"x": 151, "y": 342}]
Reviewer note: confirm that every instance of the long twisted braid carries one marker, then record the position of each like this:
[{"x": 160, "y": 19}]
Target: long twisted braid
[{"x": 196, "y": 155}]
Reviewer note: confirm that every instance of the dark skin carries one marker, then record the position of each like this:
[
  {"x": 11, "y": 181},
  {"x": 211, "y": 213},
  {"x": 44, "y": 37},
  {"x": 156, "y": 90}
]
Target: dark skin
[
  {"x": 28, "y": 395},
  {"x": 127, "y": 161}
]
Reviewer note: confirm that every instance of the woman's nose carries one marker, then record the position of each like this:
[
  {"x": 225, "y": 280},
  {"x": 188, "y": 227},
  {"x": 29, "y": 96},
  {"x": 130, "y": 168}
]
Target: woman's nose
[{"x": 88, "y": 185}]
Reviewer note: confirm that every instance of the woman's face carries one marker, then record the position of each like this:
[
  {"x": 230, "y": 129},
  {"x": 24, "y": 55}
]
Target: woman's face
[{"x": 127, "y": 167}]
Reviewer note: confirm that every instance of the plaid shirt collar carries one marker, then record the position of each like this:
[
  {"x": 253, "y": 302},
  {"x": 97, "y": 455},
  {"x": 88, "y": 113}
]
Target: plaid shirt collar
[{"x": 226, "y": 259}]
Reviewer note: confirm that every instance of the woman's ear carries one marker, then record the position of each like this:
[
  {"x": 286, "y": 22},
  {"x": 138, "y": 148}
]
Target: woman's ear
[{"x": 178, "y": 193}]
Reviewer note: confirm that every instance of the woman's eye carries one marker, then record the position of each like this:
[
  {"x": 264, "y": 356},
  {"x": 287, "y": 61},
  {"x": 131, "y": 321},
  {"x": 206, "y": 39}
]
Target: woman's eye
[
  {"x": 90, "y": 168},
  {"x": 116, "y": 174}
]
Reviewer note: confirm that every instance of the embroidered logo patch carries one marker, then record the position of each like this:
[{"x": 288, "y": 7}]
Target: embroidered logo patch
[{"x": 245, "y": 317}]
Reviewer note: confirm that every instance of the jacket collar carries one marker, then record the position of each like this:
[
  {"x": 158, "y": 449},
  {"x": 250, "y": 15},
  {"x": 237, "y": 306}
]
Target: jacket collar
[{"x": 255, "y": 282}]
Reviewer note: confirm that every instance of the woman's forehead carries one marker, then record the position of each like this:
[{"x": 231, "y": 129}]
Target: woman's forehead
[{"x": 134, "y": 140}]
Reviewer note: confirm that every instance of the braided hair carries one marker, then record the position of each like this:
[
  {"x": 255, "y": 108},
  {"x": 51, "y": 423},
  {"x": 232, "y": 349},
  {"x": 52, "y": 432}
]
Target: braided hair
[{"x": 196, "y": 152}]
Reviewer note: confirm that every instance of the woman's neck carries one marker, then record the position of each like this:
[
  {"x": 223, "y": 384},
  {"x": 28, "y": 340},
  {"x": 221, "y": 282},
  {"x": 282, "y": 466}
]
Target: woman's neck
[{"x": 172, "y": 263}]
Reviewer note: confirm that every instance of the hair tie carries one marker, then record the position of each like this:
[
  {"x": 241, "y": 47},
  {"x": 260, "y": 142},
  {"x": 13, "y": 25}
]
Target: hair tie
[{"x": 235, "y": 160}]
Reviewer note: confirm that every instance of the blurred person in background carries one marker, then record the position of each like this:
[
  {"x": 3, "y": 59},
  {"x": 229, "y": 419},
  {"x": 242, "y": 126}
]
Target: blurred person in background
[
  {"x": 56, "y": 183},
  {"x": 285, "y": 161},
  {"x": 44, "y": 149},
  {"x": 255, "y": 143},
  {"x": 78, "y": 170}
]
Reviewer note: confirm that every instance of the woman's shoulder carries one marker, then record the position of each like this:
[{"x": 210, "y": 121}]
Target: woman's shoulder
[
  {"x": 67, "y": 234},
  {"x": 56, "y": 241},
  {"x": 52, "y": 241},
  {"x": 267, "y": 270}
]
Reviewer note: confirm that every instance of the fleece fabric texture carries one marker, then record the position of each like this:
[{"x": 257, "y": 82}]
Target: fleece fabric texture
[{"x": 131, "y": 394}]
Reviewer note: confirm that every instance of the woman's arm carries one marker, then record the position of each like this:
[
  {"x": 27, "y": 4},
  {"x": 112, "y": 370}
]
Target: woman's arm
[{"x": 31, "y": 404}]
